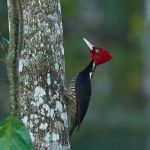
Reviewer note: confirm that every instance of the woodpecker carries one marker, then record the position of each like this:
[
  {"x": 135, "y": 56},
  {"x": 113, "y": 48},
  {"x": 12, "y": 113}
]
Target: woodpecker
[{"x": 79, "y": 91}]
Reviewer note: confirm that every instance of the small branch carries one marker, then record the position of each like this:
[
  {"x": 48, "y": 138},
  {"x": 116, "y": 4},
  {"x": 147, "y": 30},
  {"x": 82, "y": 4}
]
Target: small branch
[{"x": 15, "y": 36}]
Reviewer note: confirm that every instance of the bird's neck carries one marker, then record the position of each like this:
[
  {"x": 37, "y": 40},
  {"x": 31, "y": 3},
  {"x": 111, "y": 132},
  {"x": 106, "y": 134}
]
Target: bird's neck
[{"x": 90, "y": 69}]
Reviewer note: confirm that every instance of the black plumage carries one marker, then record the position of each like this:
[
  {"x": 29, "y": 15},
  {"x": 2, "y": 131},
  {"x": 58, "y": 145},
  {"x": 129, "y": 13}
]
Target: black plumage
[{"x": 79, "y": 93}]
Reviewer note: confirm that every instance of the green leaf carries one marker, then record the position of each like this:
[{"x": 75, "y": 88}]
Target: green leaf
[{"x": 14, "y": 135}]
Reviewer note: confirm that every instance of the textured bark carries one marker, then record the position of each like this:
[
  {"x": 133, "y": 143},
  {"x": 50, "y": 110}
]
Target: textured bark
[{"x": 41, "y": 75}]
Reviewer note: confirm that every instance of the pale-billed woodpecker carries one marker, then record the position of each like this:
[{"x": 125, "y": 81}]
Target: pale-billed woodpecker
[{"x": 79, "y": 92}]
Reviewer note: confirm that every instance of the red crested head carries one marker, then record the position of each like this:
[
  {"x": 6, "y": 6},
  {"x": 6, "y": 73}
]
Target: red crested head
[{"x": 98, "y": 55}]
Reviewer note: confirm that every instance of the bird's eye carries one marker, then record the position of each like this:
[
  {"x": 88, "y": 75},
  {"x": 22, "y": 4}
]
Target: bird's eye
[{"x": 95, "y": 49}]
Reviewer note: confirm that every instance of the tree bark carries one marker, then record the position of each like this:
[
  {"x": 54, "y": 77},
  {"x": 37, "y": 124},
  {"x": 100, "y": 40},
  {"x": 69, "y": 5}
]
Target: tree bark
[{"x": 37, "y": 81}]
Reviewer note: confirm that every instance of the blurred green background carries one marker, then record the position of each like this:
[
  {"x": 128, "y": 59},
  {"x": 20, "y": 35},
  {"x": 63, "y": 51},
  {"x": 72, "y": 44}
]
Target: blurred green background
[{"x": 119, "y": 112}]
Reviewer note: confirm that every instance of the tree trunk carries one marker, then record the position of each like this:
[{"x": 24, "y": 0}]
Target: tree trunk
[{"x": 37, "y": 81}]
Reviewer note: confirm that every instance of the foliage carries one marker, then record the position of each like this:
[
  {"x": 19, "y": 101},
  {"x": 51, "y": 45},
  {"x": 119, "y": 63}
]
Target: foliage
[{"x": 14, "y": 135}]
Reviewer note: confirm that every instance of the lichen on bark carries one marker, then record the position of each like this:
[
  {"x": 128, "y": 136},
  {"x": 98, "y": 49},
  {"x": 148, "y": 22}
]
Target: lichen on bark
[{"x": 41, "y": 75}]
